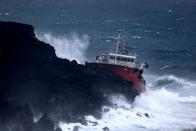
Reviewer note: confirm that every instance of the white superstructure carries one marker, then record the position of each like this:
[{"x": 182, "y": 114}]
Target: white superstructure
[{"x": 123, "y": 54}]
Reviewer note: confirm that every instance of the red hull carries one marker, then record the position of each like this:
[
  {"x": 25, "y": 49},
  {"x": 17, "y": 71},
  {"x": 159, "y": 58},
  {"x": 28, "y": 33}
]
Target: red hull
[{"x": 127, "y": 73}]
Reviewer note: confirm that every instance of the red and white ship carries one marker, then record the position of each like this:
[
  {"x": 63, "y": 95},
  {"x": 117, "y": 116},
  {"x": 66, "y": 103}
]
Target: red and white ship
[{"x": 122, "y": 62}]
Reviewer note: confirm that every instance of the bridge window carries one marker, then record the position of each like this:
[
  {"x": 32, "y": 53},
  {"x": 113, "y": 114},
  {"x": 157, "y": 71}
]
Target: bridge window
[
  {"x": 122, "y": 59},
  {"x": 112, "y": 57},
  {"x": 130, "y": 60}
]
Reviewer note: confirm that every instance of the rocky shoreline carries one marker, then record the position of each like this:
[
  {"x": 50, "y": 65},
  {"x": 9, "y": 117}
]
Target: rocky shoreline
[{"x": 36, "y": 83}]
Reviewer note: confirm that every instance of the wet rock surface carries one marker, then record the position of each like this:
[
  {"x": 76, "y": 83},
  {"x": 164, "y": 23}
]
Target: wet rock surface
[
  {"x": 106, "y": 129},
  {"x": 76, "y": 128},
  {"x": 34, "y": 82}
]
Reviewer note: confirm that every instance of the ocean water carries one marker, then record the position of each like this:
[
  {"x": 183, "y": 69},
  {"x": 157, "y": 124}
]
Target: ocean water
[{"x": 162, "y": 33}]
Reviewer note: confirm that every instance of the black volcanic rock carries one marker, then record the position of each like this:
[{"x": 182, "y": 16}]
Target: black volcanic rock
[
  {"x": 31, "y": 74},
  {"x": 44, "y": 124},
  {"x": 15, "y": 117},
  {"x": 16, "y": 29}
]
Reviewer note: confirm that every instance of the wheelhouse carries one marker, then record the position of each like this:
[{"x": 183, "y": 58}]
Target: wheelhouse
[
  {"x": 111, "y": 58},
  {"x": 122, "y": 56},
  {"x": 121, "y": 59}
]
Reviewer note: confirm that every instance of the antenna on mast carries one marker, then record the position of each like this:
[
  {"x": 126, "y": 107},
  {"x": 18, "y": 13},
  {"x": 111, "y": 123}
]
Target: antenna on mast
[{"x": 118, "y": 43}]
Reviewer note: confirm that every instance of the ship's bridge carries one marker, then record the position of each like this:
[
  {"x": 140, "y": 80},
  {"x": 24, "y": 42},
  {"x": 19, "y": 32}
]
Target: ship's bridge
[
  {"x": 118, "y": 59},
  {"x": 123, "y": 55}
]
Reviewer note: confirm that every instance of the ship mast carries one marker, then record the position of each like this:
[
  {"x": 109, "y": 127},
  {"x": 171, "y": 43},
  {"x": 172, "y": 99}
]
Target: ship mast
[
  {"x": 118, "y": 43},
  {"x": 125, "y": 41},
  {"x": 121, "y": 47}
]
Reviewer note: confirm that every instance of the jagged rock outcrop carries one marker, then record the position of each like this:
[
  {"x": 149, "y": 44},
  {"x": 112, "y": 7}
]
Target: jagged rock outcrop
[
  {"x": 31, "y": 74},
  {"x": 10, "y": 29}
]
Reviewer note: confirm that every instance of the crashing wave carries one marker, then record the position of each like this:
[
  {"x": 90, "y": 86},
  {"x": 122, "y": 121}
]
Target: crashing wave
[
  {"x": 157, "y": 109},
  {"x": 72, "y": 47}
]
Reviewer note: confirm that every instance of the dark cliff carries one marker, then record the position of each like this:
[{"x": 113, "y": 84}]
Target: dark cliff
[
  {"x": 16, "y": 29},
  {"x": 33, "y": 82}
]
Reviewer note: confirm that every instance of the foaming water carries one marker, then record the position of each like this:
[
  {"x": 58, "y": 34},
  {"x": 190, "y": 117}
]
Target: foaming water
[
  {"x": 174, "y": 84},
  {"x": 157, "y": 109},
  {"x": 72, "y": 47}
]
